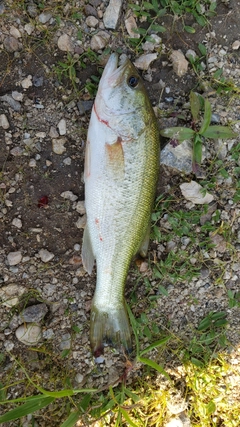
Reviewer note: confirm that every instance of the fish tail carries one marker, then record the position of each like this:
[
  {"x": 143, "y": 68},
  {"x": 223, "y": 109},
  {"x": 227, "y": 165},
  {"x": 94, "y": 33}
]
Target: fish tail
[{"x": 109, "y": 326}]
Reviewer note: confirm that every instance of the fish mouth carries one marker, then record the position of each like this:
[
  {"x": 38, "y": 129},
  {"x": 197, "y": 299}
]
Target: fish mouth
[{"x": 113, "y": 71}]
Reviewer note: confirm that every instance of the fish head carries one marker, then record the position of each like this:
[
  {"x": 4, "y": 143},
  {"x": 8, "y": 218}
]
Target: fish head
[{"x": 122, "y": 102}]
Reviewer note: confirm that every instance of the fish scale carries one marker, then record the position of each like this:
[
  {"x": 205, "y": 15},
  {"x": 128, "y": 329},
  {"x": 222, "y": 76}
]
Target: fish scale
[{"x": 121, "y": 170}]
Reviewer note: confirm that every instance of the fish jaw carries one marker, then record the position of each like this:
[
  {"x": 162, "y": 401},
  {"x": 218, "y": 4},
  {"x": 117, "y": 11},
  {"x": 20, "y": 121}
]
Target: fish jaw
[{"x": 110, "y": 326}]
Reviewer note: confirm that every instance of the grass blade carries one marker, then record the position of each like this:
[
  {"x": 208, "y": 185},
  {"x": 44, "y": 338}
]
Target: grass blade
[
  {"x": 154, "y": 365},
  {"x": 206, "y": 118},
  {"x": 71, "y": 420},
  {"x": 155, "y": 344},
  {"x": 28, "y": 408},
  {"x": 127, "y": 418}
]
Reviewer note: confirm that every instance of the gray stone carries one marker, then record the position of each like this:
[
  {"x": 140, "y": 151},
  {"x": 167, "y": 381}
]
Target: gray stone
[
  {"x": 11, "y": 44},
  {"x": 14, "y": 258},
  {"x": 112, "y": 14},
  {"x": 66, "y": 342},
  {"x": 17, "y": 222},
  {"x": 4, "y": 123},
  {"x": 131, "y": 25},
  {"x": 91, "y": 21},
  {"x": 80, "y": 207},
  {"x": 27, "y": 82},
  {"x": 81, "y": 222},
  {"x": 29, "y": 334},
  {"x": 34, "y": 313},
  {"x": 84, "y": 106},
  {"x": 99, "y": 40},
  {"x": 44, "y": 17},
  {"x": 17, "y": 96},
  {"x": 45, "y": 255},
  {"x": 10, "y": 294},
  {"x": 179, "y": 157},
  {"x": 65, "y": 43}
]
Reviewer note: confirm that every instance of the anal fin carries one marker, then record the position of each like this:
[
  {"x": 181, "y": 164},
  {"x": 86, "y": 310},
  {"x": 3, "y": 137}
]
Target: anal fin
[{"x": 87, "y": 252}]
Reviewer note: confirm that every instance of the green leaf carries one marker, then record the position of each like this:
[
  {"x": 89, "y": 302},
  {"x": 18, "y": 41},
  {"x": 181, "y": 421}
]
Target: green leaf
[
  {"x": 163, "y": 290},
  {"x": 218, "y": 73},
  {"x": 207, "y": 117},
  {"x": 2, "y": 392},
  {"x": 179, "y": 133},
  {"x": 148, "y": 5},
  {"x": 158, "y": 343},
  {"x": 154, "y": 365},
  {"x": 29, "y": 407},
  {"x": 189, "y": 29},
  {"x": 195, "y": 105},
  {"x": 210, "y": 408},
  {"x": 200, "y": 20},
  {"x": 215, "y": 132},
  {"x": 218, "y": 315},
  {"x": 158, "y": 28},
  {"x": 197, "y": 362},
  {"x": 202, "y": 49},
  {"x": 204, "y": 324},
  {"x": 127, "y": 418},
  {"x": 72, "y": 419},
  {"x": 197, "y": 150}
]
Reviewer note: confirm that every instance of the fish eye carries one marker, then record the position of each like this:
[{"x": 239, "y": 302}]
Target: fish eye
[{"x": 133, "y": 81}]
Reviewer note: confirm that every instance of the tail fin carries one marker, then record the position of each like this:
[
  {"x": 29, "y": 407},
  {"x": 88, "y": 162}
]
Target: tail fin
[{"x": 109, "y": 327}]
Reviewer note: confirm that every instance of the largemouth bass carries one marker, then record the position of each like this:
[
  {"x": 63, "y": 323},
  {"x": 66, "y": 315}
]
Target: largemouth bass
[{"x": 120, "y": 174}]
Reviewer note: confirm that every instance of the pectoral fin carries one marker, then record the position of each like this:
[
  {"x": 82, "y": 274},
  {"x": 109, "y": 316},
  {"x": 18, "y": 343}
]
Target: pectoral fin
[
  {"x": 87, "y": 252},
  {"x": 145, "y": 243},
  {"x": 115, "y": 159}
]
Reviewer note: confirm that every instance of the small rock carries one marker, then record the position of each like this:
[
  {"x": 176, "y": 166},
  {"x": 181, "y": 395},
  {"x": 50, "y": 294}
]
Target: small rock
[
  {"x": 65, "y": 43},
  {"x": 53, "y": 133},
  {"x": 236, "y": 45},
  {"x": 90, "y": 10},
  {"x": 58, "y": 145},
  {"x": 44, "y": 17},
  {"x": 14, "y": 258},
  {"x": 48, "y": 334},
  {"x": 219, "y": 242},
  {"x": 4, "y": 123},
  {"x": 45, "y": 255},
  {"x": 99, "y": 40},
  {"x": 179, "y": 157},
  {"x": 26, "y": 83},
  {"x": 15, "y": 32},
  {"x": 84, "y": 106},
  {"x": 62, "y": 127},
  {"x": 29, "y": 28},
  {"x": 112, "y": 14},
  {"x": 91, "y": 21},
  {"x": 32, "y": 163},
  {"x": 179, "y": 62},
  {"x": 193, "y": 192},
  {"x": 10, "y": 294},
  {"x": 65, "y": 344},
  {"x": 79, "y": 378},
  {"x": 81, "y": 222},
  {"x": 143, "y": 62},
  {"x": 131, "y": 25},
  {"x": 11, "y": 44},
  {"x": 220, "y": 148},
  {"x": 34, "y": 313},
  {"x": 69, "y": 195},
  {"x": 37, "y": 81},
  {"x": 67, "y": 161},
  {"x": 77, "y": 247},
  {"x": 17, "y": 96},
  {"x": 80, "y": 207},
  {"x": 17, "y": 222},
  {"x": 15, "y": 105},
  {"x": 29, "y": 334},
  {"x": 191, "y": 54}
]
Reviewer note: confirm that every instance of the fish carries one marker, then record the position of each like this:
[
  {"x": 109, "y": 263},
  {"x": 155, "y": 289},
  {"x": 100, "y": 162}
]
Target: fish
[{"x": 120, "y": 176}]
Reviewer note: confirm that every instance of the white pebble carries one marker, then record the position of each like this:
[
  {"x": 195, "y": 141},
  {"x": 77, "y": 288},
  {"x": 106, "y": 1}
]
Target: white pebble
[
  {"x": 14, "y": 258},
  {"x": 69, "y": 196},
  {"x": 62, "y": 127},
  {"x": 17, "y": 222},
  {"x": 29, "y": 333},
  {"x": 45, "y": 255},
  {"x": 4, "y": 123},
  {"x": 77, "y": 247}
]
